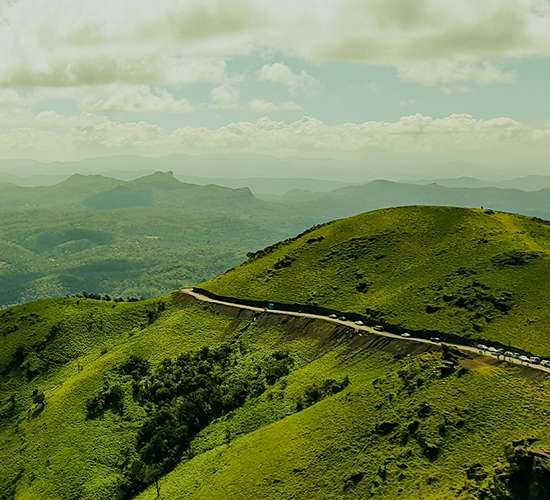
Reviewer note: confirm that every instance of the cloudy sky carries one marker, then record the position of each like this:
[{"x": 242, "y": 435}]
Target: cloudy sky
[{"x": 338, "y": 80}]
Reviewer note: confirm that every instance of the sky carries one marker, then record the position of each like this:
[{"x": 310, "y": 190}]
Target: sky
[{"x": 420, "y": 84}]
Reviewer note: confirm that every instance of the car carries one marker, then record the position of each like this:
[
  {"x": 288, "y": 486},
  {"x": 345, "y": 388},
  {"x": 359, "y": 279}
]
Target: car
[
  {"x": 406, "y": 335},
  {"x": 379, "y": 328},
  {"x": 483, "y": 347},
  {"x": 535, "y": 360},
  {"x": 508, "y": 354},
  {"x": 494, "y": 350},
  {"x": 343, "y": 318},
  {"x": 545, "y": 362},
  {"x": 524, "y": 358},
  {"x": 333, "y": 316},
  {"x": 435, "y": 339},
  {"x": 359, "y": 322},
  {"x": 271, "y": 305}
]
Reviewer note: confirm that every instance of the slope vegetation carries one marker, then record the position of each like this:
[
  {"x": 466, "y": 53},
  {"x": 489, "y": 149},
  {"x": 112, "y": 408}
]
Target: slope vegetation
[
  {"x": 469, "y": 272},
  {"x": 104, "y": 399}
]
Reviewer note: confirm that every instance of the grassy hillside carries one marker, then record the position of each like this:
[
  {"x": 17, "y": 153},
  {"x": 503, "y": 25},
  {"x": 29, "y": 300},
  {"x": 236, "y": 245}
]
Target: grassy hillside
[
  {"x": 315, "y": 412},
  {"x": 474, "y": 273}
]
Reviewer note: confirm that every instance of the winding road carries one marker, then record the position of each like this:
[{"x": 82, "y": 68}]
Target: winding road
[{"x": 362, "y": 328}]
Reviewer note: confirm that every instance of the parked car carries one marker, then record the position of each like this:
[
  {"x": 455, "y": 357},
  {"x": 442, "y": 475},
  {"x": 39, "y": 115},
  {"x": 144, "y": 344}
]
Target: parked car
[
  {"x": 405, "y": 335},
  {"x": 333, "y": 316},
  {"x": 379, "y": 328},
  {"x": 343, "y": 318},
  {"x": 435, "y": 339},
  {"x": 271, "y": 305},
  {"x": 535, "y": 360},
  {"x": 359, "y": 322}
]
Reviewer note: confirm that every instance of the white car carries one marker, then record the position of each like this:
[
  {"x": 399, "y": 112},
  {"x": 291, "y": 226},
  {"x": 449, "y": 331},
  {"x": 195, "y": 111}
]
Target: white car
[
  {"x": 333, "y": 316},
  {"x": 545, "y": 362},
  {"x": 524, "y": 358},
  {"x": 379, "y": 328},
  {"x": 535, "y": 360},
  {"x": 406, "y": 335},
  {"x": 359, "y": 322},
  {"x": 483, "y": 347},
  {"x": 493, "y": 350},
  {"x": 343, "y": 318},
  {"x": 435, "y": 339}
]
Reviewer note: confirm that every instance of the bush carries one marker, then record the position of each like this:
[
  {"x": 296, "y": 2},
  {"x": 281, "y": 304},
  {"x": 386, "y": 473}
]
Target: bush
[{"x": 110, "y": 397}]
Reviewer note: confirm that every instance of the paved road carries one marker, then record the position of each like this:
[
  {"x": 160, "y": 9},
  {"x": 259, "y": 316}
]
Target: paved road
[{"x": 362, "y": 328}]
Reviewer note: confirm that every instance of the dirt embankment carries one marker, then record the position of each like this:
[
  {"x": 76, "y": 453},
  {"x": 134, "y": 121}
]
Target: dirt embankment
[{"x": 328, "y": 334}]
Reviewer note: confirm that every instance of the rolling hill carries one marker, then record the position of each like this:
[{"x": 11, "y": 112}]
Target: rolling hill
[
  {"x": 170, "y": 397},
  {"x": 470, "y": 272}
]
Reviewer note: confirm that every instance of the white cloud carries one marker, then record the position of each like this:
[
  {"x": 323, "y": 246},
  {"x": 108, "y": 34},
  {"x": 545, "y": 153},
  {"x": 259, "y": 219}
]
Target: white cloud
[
  {"x": 133, "y": 99},
  {"x": 282, "y": 74},
  {"x": 263, "y": 106},
  {"x": 52, "y": 136},
  {"x": 225, "y": 96},
  {"x": 76, "y": 42}
]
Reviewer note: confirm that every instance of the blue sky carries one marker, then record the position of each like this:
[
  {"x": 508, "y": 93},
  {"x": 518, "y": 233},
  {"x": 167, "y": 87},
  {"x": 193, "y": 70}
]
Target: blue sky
[{"x": 336, "y": 80}]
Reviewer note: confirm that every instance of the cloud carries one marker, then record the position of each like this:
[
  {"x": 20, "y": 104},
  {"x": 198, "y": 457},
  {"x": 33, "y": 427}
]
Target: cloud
[
  {"x": 263, "y": 106},
  {"x": 280, "y": 73},
  {"x": 52, "y": 136},
  {"x": 74, "y": 42},
  {"x": 134, "y": 99},
  {"x": 225, "y": 96}
]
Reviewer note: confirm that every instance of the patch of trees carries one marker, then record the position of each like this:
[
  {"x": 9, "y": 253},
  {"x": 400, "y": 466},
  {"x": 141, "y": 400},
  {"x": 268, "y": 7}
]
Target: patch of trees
[
  {"x": 315, "y": 393},
  {"x": 182, "y": 396},
  {"x": 110, "y": 397},
  {"x": 106, "y": 297}
]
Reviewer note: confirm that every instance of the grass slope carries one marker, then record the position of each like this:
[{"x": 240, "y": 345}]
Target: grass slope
[
  {"x": 476, "y": 273},
  {"x": 402, "y": 428}
]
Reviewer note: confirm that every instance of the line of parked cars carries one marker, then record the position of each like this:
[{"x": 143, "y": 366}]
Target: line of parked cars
[{"x": 515, "y": 355}]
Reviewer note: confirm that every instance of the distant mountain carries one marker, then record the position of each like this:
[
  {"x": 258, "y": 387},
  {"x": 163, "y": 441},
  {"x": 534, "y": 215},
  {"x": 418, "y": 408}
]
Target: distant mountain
[
  {"x": 527, "y": 183},
  {"x": 162, "y": 189},
  {"x": 457, "y": 182},
  {"x": 267, "y": 185},
  {"x": 70, "y": 192},
  {"x": 386, "y": 194}
]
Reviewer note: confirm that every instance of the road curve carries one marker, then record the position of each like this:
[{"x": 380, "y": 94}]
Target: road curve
[{"x": 362, "y": 328}]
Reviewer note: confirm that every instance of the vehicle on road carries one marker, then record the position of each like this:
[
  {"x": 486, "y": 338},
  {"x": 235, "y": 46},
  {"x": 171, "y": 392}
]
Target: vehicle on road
[
  {"x": 535, "y": 360},
  {"x": 333, "y": 316},
  {"x": 359, "y": 322},
  {"x": 483, "y": 347},
  {"x": 406, "y": 335},
  {"x": 524, "y": 358},
  {"x": 435, "y": 339},
  {"x": 343, "y": 318},
  {"x": 379, "y": 328},
  {"x": 271, "y": 305}
]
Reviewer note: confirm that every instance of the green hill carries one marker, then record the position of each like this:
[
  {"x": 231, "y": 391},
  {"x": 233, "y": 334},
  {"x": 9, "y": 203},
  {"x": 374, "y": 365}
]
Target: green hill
[
  {"x": 100, "y": 398},
  {"x": 474, "y": 273}
]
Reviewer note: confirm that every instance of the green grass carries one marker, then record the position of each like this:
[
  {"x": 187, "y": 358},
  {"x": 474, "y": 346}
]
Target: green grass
[
  {"x": 275, "y": 451},
  {"x": 475, "y": 273}
]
